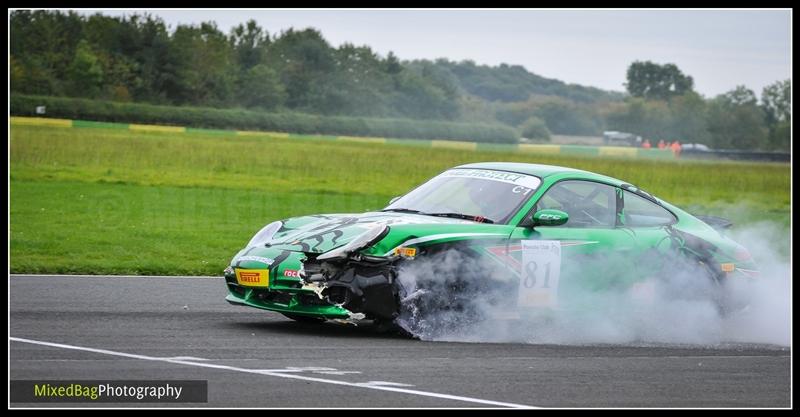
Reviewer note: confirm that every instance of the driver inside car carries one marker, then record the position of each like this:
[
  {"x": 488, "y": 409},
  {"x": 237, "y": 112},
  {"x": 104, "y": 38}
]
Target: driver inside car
[{"x": 486, "y": 195}]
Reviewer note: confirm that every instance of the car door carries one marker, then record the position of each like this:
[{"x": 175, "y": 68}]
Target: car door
[
  {"x": 595, "y": 254},
  {"x": 648, "y": 222}
]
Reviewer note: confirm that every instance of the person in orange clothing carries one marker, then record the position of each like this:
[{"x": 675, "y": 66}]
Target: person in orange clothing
[
  {"x": 661, "y": 144},
  {"x": 676, "y": 148},
  {"x": 646, "y": 144}
]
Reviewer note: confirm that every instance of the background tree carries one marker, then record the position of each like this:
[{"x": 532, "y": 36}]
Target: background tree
[
  {"x": 304, "y": 60},
  {"x": 736, "y": 122},
  {"x": 436, "y": 88},
  {"x": 260, "y": 86},
  {"x": 249, "y": 42},
  {"x": 138, "y": 58},
  {"x": 660, "y": 82},
  {"x": 562, "y": 116},
  {"x": 776, "y": 101},
  {"x": 207, "y": 69},
  {"x": 648, "y": 118},
  {"x": 85, "y": 75},
  {"x": 360, "y": 84},
  {"x": 44, "y": 45},
  {"x": 688, "y": 119},
  {"x": 535, "y": 129},
  {"x": 513, "y": 83},
  {"x": 568, "y": 118},
  {"x": 741, "y": 96}
]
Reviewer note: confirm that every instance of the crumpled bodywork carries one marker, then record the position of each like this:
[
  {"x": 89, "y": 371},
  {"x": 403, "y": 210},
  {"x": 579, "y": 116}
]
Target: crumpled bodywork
[
  {"x": 362, "y": 285},
  {"x": 363, "y": 282}
]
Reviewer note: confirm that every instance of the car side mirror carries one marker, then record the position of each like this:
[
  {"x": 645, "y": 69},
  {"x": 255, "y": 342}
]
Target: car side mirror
[
  {"x": 549, "y": 217},
  {"x": 394, "y": 199}
]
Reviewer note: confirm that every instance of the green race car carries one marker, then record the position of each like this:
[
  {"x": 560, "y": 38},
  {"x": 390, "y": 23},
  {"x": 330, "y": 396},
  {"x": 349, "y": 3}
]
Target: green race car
[{"x": 524, "y": 237}]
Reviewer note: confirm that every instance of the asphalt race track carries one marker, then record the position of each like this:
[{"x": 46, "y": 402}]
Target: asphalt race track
[{"x": 73, "y": 327}]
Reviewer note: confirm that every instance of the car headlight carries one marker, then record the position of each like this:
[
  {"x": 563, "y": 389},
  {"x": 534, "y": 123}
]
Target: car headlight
[
  {"x": 361, "y": 241},
  {"x": 265, "y": 234}
]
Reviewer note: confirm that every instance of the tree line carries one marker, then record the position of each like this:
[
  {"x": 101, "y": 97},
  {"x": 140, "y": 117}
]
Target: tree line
[
  {"x": 137, "y": 58},
  {"x": 663, "y": 105}
]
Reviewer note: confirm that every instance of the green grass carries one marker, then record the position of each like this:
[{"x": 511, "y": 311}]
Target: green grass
[
  {"x": 76, "y": 227},
  {"x": 116, "y": 201}
]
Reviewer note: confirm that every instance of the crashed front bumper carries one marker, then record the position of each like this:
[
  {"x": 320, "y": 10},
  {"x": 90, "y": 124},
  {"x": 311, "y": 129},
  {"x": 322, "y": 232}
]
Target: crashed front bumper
[
  {"x": 287, "y": 297},
  {"x": 299, "y": 283}
]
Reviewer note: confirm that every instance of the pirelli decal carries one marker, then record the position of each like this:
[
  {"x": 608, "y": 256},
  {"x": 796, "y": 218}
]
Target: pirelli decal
[
  {"x": 406, "y": 252},
  {"x": 252, "y": 277}
]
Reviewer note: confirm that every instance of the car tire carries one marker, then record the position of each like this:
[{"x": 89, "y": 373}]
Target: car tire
[
  {"x": 304, "y": 319},
  {"x": 726, "y": 301},
  {"x": 719, "y": 294},
  {"x": 391, "y": 327},
  {"x": 443, "y": 306}
]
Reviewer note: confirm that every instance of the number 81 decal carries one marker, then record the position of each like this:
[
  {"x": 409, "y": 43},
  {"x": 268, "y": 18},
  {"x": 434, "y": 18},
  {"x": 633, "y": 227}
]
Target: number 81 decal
[{"x": 541, "y": 267}]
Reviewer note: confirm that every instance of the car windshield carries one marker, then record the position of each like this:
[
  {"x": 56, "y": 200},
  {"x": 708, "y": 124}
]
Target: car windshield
[{"x": 469, "y": 193}]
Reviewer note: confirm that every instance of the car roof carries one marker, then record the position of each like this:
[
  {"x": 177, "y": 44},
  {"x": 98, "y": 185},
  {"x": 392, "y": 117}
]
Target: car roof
[
  {"x": 543, "y": 171},
  {"x": 538, "y": 170}
]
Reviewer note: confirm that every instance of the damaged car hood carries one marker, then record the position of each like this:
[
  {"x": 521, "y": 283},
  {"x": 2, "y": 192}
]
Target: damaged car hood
[{"x": 321, "y": 233}]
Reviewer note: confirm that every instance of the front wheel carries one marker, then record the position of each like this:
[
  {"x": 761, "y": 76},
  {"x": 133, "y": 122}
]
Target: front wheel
[{"x": 391, "y": 326}]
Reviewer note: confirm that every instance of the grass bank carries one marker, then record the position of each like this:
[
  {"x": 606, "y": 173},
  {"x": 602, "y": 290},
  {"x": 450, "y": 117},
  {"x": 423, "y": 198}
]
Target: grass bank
[{"x": 136, "y": 202}]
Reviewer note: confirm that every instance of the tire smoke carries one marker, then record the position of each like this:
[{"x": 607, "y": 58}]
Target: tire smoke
[{"x": 455, "y": 297}]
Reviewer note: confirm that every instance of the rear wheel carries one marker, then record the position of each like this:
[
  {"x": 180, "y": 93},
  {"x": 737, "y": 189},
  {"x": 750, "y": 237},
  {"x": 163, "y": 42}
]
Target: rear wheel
[
  {"x": 717, "y": 287},
  {"x": 304, "y": 319},
  {"x": 696, "y": 279},
  {"x": 728, "y": 300}
]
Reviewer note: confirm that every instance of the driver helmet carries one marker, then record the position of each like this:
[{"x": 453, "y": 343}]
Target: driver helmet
[{"x": 485, "y": 195}]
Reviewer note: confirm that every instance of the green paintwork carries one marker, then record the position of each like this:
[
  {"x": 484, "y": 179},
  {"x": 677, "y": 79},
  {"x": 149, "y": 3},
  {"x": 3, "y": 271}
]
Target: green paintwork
[{"x": 621, "y": 252}]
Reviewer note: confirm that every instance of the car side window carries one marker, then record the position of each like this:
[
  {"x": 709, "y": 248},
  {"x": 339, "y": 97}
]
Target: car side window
[
  {"x": 588, "y": 204},
  {"x": 641, "y": 212}
]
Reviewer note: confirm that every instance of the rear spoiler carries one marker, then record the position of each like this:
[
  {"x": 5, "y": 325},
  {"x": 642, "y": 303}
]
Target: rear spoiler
[{"x": 716, "y": 222}]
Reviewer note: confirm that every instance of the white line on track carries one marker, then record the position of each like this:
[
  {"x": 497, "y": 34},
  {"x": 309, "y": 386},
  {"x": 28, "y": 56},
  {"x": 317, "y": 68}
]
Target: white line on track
[
  {"x": 385, "y": 383},
  {"x": 379, "y": 387}
]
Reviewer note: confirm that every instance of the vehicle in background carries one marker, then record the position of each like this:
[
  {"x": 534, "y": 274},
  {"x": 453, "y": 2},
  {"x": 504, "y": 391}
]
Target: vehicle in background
[
  {"x": 697, "y": 147},
  {"x": 614, "y": 138}
]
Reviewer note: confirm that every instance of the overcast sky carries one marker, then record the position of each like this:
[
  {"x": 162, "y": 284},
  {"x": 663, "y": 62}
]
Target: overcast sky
[{"x": 720, "y": 49}]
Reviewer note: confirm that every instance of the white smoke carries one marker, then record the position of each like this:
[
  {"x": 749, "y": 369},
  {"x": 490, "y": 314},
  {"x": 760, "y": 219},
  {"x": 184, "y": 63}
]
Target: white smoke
[
  {"x": 769, "y": 318},
  {"x": 441, "y": 305}
]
